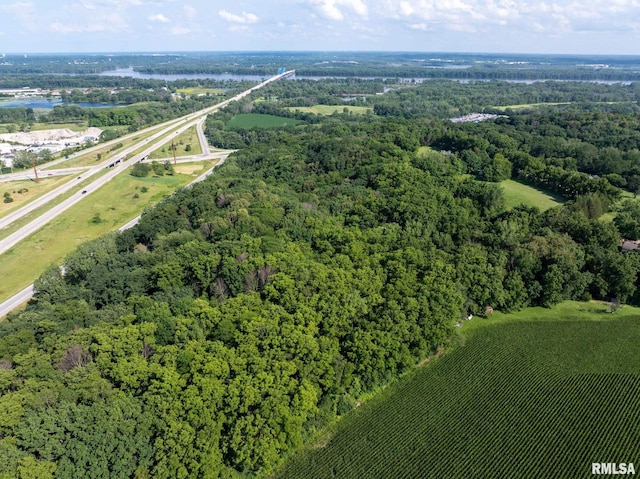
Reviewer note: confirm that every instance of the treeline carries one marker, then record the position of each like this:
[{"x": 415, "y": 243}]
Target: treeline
[
  {"x": 447, "y": 99},
  {"x": 571, "y": 152},
  {"x": 243, "y": 314},
  {"x": 134, "y": 116},
  {"x": 127, "y": 96}
]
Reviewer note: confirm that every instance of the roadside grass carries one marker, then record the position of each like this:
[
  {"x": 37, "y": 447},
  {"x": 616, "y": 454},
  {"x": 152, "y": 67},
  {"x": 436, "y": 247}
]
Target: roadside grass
[
  {"x": 256, "y": 120},
  {"x": 104, "y": 210},
  {"x": 193, "y": 169},
  {"x": 517, "y": 193},
  {"x": 35, "y": 190},
  {"x": 518, "y": 396},
  {"x": 188, "y": 137},
  {"x": 331, "y": 109},
  {"x": 91, "y": 158}
]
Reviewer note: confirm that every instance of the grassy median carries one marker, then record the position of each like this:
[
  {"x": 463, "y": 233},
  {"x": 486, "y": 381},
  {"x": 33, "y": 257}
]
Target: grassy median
[{"x": 120, "y": 200}]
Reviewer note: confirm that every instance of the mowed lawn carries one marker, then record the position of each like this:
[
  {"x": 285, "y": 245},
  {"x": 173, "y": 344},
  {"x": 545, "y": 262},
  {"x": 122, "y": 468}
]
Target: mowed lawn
[
  {"x": 516, "y": 193},
  {"x": 107, "y": 209},
  {"x": 257, "y": 120},
  {"x": 25, "y": 191},
  {"x": 520, "y": 397}
]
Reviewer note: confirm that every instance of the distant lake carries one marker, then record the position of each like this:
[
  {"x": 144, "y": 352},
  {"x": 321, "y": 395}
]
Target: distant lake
[
  {"x": 46, "y": 103},
  {"x": 130, "y": 72}
]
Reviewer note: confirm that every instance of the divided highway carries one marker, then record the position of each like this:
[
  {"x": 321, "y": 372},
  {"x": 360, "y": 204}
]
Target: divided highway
[{"x": 116, "y": 164}]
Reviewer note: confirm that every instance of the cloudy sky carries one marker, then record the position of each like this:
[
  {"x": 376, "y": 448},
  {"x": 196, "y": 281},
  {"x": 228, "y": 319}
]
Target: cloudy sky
[{"x": 526, "y": 26}]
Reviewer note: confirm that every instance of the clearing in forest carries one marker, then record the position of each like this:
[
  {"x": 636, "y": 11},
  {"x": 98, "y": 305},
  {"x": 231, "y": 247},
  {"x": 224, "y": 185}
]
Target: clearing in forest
[
  {"x": 331, "y": 109},
  {"x": 516, "y": 193}
]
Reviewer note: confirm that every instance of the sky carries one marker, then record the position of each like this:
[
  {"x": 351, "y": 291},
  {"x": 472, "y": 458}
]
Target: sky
[{"x": 491, "y": 26}]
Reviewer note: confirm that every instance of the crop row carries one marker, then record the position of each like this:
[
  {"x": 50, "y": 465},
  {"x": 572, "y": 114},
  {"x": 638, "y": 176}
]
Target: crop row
[{"x": 500, "y": 406}]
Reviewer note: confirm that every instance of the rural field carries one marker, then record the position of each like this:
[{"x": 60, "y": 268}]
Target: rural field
[
  {"x": 521, "y": 396},
  {"x": 331, "y": 109},
  {"x": 516, "y": 193}
]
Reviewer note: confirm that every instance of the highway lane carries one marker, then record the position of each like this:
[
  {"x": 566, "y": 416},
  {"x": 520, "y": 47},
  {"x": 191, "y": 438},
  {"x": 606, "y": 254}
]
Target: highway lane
[
  {"x": 27, "y": 293},
  {"x": 203, "y": 139},
  {"x": 16, "y": 301},
  {"x": 177, "y": 125},
  {"x": 186, "y": 122}
]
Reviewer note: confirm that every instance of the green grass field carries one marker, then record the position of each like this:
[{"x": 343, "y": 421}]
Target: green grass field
[
  {"x": 331, "y": 109},
  {"x": 522, "y": 396},
  {"x": 201, "y": 91},
  {"x": 115, "y": 204},
  {"x": 34, "y": 190},
  {"x": 516, "y": 193},
  {"x": 256, "y": 120},
  {"x": 523, "y": 106},
  {"x": 188, "y": 137}
]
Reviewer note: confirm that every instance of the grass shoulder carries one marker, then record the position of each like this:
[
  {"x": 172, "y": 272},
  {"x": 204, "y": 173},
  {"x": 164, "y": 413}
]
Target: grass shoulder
[{"x": 108, "y": 208}]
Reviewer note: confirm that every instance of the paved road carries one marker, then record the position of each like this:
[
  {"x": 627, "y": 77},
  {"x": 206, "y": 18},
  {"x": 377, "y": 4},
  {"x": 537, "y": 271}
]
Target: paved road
[
  {"x": 167, "y": 133},
  {"x": 16, "y": 300},
  {"x": 26, "y": 294},
  {"x": 179, "y": 126}
]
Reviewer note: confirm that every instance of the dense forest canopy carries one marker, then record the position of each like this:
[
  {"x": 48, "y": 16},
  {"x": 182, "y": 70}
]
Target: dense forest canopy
[{"x": 244, "y": 314}]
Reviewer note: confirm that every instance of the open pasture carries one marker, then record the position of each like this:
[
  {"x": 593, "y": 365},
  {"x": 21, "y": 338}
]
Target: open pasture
[{"x": 516, "y": 193}]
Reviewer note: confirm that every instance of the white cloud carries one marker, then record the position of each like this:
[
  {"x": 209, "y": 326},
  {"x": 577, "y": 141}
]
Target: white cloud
[
  {"x": 67, "y": 28},
  {"x": 243, "y": 18},
  {"x": 107, "y": 23},
  {"x": 329, "y": 8},
  {"x": 179, "y": 30},
  {"x": 419, "y": 26},
  {"x": 520, "y": 15},
  {"x": 189, "y": 11},
  {"x": 159, "y": 17}
]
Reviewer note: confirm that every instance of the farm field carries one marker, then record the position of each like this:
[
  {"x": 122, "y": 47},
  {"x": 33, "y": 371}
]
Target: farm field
[
  {"x": 516, "y": 193},
  {"x": 256, "y": 120},
  {"x": 107, "y": 209},
  {"x": 331, "y": 109},
  {"x": 528, "y": 397}
]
